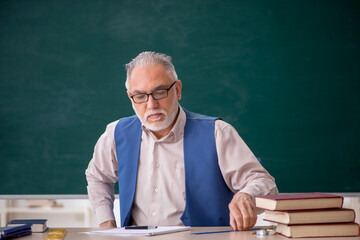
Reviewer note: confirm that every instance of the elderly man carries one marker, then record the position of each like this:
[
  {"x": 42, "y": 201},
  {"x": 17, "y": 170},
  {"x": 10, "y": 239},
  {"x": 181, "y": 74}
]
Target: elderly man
[{"x": 174, "y": 167}]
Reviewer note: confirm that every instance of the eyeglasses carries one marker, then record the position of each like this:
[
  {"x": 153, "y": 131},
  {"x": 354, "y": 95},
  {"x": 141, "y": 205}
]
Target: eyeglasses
[{"x": 157, "y": 95}]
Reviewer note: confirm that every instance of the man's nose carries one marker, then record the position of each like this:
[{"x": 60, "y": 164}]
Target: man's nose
[{"x": 152, "y": 103}]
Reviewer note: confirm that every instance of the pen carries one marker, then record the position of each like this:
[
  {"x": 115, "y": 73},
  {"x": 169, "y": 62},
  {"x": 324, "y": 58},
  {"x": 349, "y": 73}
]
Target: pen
[
  {"x": 251, "y": 229},
  {"x": 140, "y": 227}
]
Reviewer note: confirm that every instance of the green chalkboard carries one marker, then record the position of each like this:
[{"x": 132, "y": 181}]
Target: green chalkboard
[{"x": 285, "y": 74}]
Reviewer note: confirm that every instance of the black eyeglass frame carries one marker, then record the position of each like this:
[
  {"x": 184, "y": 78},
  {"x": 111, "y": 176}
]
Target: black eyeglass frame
[{"x": 148, "y": 94}]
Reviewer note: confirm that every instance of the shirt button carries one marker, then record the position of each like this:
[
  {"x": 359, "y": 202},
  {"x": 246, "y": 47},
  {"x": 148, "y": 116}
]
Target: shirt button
[
  {"x": 153, "y": 214},
  {"x": 157, "y": 165},
  {"x": 156, "y": 190}
]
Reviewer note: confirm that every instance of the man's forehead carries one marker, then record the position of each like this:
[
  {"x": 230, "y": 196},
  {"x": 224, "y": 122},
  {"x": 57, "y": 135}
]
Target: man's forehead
[{"x": 149, "y": 75}]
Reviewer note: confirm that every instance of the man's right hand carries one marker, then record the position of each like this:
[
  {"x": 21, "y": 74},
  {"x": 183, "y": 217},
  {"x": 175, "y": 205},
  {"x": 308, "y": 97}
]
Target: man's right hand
[{"x": 108, "y": 224}]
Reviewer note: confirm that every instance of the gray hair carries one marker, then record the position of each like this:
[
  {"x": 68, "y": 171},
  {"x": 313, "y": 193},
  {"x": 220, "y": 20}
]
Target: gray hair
[{"x": 150, "y": 58}]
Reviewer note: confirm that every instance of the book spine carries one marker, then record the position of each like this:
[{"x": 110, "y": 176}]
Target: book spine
[{"x": 354, "y": 215}]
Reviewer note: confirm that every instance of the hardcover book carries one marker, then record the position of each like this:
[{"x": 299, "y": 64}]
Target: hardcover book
[
  {"x": 319, "y": 230},
  {"x": 299, "y": 201},
  {"x": 332, "y": 215},
  {"x": 37, "y": 225},
  {"x": 17, "y": 231}
]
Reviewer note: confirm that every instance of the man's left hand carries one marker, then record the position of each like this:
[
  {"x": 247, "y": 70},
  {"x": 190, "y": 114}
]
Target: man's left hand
[{"x": 242, "y": 212}]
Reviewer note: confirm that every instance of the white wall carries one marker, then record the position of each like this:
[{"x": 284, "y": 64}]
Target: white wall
[{"x": 78, "y": 212}]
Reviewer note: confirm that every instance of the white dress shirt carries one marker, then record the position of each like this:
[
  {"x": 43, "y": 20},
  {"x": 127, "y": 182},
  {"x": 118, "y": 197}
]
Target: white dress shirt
[{"x": 160, "y": 188}]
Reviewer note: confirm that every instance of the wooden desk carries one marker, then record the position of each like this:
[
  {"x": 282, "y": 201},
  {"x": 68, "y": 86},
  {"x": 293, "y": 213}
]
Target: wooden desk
[{"x": 76, "y": 234}]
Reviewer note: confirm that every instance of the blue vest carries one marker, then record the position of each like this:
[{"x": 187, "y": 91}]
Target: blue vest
[{"x": 207, "y": 195}]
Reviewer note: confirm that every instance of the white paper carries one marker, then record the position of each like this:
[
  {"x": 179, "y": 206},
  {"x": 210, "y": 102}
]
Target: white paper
[{"x": 137, "y": 232}]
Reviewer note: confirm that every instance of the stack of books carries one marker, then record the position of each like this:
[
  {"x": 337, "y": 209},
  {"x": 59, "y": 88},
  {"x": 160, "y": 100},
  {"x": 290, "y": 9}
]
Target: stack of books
[{"x": 309, "y": 215}]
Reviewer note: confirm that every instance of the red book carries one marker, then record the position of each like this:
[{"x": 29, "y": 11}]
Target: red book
[
  {"x": 319, "y": 230},
  {"x": 331, "y": 215},
  {"x": 299, "y": 201}
]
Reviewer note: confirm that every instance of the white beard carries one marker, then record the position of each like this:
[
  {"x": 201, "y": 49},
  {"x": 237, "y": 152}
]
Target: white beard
[{"x": 157, "y": 125}]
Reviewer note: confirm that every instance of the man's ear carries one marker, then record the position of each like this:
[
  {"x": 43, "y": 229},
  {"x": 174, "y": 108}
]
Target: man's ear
[
  {"x": 178, "y": 87},
  {"x": 129, "y": 95}
]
